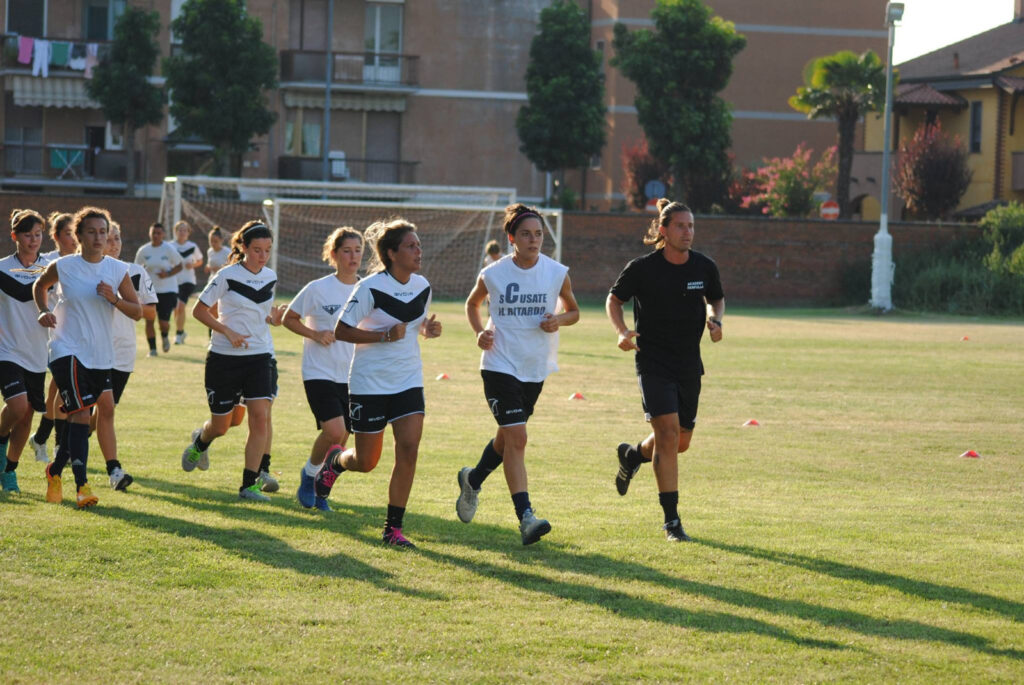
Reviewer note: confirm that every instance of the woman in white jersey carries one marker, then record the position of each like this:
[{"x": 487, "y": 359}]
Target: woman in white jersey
[
  {"x": 386, "y": 377},
  {"x": 520, "y": 349},
  {"x": 163, "y": 263},
  {"x": 240, "y": 361},
  {"x": 124, "y": 354},
  {"x": 191, "y": 258},
  {"x": 92, "y": 285},
  {"x": 62, "y": 233},
  {"x": 22, "y": 342},
  {"x": 313, "y": 314},
  {"x": 217, "y": 253}
]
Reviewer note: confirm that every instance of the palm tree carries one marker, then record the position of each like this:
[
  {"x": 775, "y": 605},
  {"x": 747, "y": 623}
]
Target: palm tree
[{"x": 844, "y": 86}]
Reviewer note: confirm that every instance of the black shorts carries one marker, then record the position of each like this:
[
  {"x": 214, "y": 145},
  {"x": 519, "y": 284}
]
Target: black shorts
[
  {"x": 232, "y": 379},
  {"x": 328, "y": 400},
  {"x": 274, "y": 377},
  {"x": 185, "y": 291},
  {"x": 80, "y": 387},
  {"x": 510, "y": 399},
  {"x": 662, "y": 396},
  {"x": 165, "y": 304},
  {"x": 118, "y": 380},
  {"x": 15, "y": 380},
  {"x": 371, "y": 413}
]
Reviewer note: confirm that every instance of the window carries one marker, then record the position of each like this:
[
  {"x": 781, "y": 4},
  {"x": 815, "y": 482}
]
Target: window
[
  {"x": 382, "y": 36},
  {"x": 24, "y": 149},
  {"x": 595, "y": 162},
  {"x": 99, "y": 17},
  {"x": 975, "y": 127},
  {"x": 26, "y": 17},
  {"x": 302, "y": 133}
]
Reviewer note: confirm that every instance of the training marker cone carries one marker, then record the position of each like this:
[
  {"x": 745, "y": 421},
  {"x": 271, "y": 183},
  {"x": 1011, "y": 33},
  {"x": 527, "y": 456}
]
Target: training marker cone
[
  {"x": 577, "y": 396},
  {"x": 971, "y": 454},
  {"x": 964, "y": 339},
  {"x": 751, "y": 422},
  {"x": 442, "y": 377}
]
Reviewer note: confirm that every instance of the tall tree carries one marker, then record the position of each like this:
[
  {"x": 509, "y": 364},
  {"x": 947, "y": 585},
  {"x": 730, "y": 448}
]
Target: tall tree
[
  {"x": 120, "y": 84},
  {"x": 844, "y": 86},
  {"x": 562, "y": 126},
  {"x": 679, "y": 68},
  {"x": 218, "y": 80}
]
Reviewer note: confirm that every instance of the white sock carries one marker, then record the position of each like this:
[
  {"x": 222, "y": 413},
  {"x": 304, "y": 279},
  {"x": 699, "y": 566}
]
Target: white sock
[{"x": 310, "y": 468}]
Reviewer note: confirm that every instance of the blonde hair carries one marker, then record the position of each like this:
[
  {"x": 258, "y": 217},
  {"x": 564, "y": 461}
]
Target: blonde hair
[
  {"x": 58, "y": 221},
  {"x": 179, "y": 224},
  {"x": 666, "y": 208},
  {"x": 333, "y": 242},
  {"x": 114, "y": 228},
  {"x": 382, "y": 236}
]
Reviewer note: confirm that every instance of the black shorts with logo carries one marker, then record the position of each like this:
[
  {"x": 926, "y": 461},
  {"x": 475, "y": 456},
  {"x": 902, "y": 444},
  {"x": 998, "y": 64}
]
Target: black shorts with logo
[
  {"x": 663, "y": 395},
  {"x": 80, "y": 387},
  {"x": 185, "y": 291},
  {"x": 165, "y": 304},
  {"x": 371, "y": 413},
  {"x": 233, "y": 379},
  {"x": 510, "y": 399},
  {"x": 118, "y": 380},
  {"x": 15, "y": 380},
  {"x": 328, "y": 400}
]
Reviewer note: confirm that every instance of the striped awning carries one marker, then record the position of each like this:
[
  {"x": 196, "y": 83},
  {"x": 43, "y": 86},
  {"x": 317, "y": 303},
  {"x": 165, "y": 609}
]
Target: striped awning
[
  {"x": 55, "y": 91},
  {"x": 346, "y": 101}
]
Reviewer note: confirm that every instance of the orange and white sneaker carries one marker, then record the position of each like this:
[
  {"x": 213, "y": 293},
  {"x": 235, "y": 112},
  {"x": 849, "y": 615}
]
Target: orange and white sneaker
[
  {"x": 54, "y": 487},
  {"x": 85, "y": 497}
]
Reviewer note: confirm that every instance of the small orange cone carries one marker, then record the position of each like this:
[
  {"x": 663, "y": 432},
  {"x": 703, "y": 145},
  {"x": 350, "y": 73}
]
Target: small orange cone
[
  {"x": 577, "y": 396},
  {"x": 971, "y": 454},
  {"x": 442, "y": 377},
  {"x": 964, "y": 339},
  {"x": 751, "y": 422}
]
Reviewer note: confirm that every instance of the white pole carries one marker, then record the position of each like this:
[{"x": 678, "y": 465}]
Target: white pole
[{"x": 881, "y": 261}]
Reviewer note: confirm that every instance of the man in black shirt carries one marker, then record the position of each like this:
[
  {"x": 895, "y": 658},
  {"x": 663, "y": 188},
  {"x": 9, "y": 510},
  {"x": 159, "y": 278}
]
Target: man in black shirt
[{"x": 671, "y": 289}]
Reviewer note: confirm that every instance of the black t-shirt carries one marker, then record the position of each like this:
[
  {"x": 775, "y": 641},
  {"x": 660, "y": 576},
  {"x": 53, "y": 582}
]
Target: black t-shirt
[{"x": 669, "y": 310}]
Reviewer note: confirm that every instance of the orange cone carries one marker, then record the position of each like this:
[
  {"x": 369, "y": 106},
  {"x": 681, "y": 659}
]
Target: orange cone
[
  {"x": 577, "y": 396},
  {"x": 971, "y": 454},
  {"x": 751, "y": 422},
  {"x": 442, "y": 377},
  {"x": 964, "y": 339}
]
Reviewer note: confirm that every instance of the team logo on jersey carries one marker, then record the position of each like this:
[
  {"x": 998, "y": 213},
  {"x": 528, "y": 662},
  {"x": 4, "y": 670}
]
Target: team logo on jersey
[
  {"x": 403, "y": 311},
  {"x": 187, "y": 251},
  {"x": 247, "y": 291},
  {"x": 355, "y": 411},
  {"x": 331, "y": 308},
  {"x": 14, "y": 288},
  {"x": 695, "y": 285}
]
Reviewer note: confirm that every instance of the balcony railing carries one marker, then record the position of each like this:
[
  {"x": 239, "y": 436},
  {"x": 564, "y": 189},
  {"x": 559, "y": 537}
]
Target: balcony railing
[
  {"x": 9, "y": 51},
  {"x": 71, "y": 164},
  {"x": 363, "y": 68},
  {"x": 359, "y": 170}
]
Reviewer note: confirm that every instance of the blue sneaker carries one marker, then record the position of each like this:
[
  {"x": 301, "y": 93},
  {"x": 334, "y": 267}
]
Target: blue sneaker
[
  {"x": 322, "y": 505},
  {"x": 9, "y": 480},
  {"x": 306, "y": 492}
]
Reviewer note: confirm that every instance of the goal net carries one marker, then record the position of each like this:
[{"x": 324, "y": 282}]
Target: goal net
[{"x": 453, "y": 237}]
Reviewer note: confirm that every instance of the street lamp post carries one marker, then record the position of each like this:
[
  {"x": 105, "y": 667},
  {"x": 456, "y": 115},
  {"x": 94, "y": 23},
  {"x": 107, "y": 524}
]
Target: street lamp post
[
  {"x": 881, "y": 260},
  {"x": 329, "y": 76}
]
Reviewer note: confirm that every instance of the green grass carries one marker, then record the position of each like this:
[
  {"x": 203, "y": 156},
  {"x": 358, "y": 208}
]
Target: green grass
[{"x": 843, "y": 540}]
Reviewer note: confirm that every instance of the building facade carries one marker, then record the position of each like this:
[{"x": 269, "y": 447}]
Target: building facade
[{"x": 423, "y": 91}]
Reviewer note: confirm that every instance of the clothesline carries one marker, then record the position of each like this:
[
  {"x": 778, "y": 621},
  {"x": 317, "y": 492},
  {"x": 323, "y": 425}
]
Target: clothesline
[{"x": 42, "y": 54}]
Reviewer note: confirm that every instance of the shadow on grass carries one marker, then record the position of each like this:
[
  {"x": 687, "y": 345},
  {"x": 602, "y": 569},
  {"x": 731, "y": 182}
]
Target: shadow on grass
[{"x": 920, "y": 588}]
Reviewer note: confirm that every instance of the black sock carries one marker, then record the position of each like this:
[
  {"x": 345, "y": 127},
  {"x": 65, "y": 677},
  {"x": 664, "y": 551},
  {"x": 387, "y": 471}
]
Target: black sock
[
  {"x": 394, "y": 519},
  {"x": 43, "y": 431},
  {"x": 77, "y": 438},
  {"x": 334, "y": 464},
  {"x": 181, "y": 331},
  {"x": 4, "y": 439},
  {"x": 60, "y": 459},
  {"x": 61, "y": 429},
  {"x": 521, "y": 500},
  {"x": 163, "y": 336},
  {"x": 200, "y": 445},
  {"x": 11, "y": 466},
  {"x": 638, "y": 451},
  {"x": 489, "y": 460},
  {"x": 265, "y": 463},
  {"x": 152, "y": 344},
  {"x": 111, "y": 465},
  {"x": 669, "y": 501},
  {"x": 248, "y": 478}
]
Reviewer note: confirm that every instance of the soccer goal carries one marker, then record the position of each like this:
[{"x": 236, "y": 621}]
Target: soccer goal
[{"x": 453, "y": 236}]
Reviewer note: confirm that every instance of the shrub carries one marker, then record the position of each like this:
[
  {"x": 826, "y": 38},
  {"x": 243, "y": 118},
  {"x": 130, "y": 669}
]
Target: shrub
[
  {"x": 786, "y": 185},
  {"x": 931, "y": 173},
  {"x": 641, "y": 166},
  {"x": 1004, "y": 231}
]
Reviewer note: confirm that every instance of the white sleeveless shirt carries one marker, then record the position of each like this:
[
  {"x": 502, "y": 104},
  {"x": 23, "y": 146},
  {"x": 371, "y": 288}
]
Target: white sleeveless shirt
[
  {"x": 84, "y": 317},
  {"x": 519, "y": 300}
]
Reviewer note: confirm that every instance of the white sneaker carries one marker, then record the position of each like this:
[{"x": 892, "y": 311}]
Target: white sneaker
[
  {"x": 267, "y": 482},
  {"x": 152, "y": 353},
  {"x": 465, "y": 505},
  {"x": 179, "y": 338},
  {"x": 40, "y": 450},
  {"x": 119, "y": 480},
  {"x": 532, "y": 528},
  {"x": 167, "y": 344}
]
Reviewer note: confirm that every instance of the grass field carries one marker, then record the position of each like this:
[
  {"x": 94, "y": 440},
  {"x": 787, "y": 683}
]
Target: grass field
[{"x": 842, "y": 540}]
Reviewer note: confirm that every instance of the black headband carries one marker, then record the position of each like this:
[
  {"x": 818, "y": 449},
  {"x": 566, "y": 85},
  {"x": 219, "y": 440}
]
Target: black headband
[
  {"x": 247, "y": 233},
  {"x": 535, "y": 215}
]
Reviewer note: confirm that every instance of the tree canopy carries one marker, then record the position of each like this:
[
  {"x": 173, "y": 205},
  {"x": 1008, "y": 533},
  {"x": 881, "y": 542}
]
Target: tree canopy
[{"x": 679, "y": 68}]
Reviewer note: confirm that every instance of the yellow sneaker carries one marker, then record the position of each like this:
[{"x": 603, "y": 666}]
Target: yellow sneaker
[
  {"x": 85, "y": 497},
  {"x": 54, "y": 487}
]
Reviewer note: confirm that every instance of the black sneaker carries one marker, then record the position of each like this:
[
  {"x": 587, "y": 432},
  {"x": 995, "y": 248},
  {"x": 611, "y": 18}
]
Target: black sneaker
[
  {"x": 674, "y": 532},
  {"x": 626, "y": 472}
]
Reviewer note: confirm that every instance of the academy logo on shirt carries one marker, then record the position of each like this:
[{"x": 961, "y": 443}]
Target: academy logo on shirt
[
  {"x": 695, "y": 285},
  {"x": 331, "y": 308}
]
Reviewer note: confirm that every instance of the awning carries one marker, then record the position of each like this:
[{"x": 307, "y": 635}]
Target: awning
[
  {"x": 55, "y": 91},
  {"x": 346, "y": 101},
  {"x": 924, "y": 95}
]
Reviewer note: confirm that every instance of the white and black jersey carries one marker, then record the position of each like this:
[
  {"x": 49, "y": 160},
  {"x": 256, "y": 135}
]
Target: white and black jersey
[
  {"x": 188, "y": 251},
  {"x": 245, "y": 300},
  {"x": 378, "y": 303},
  {"x": 520, "y": 298},
  {"x": 124, "y": 327},
  {"x": 216, "y": 259},
  {"x": 157, "y": 259},
  {"x": 22, "y": 339},
  {"x": 319, "y": 303},
  {"x": 84, "y": 317},
  {"x": 50, "y": 256}
]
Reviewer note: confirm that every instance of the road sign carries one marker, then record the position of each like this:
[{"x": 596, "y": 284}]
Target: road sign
[
  {"x": 654, "y": 189},
  {"x": 829, "y": 210}
]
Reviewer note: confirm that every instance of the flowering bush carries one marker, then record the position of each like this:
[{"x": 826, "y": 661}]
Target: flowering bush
[
  {"x": 785, "y": 186},
  {"x": 640, "y": 167},
  {"x": 932, "y": 174}
]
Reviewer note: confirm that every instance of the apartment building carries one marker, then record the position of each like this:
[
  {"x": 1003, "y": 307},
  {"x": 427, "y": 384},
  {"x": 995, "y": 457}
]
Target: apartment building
[{"x": 421, "y": 91}]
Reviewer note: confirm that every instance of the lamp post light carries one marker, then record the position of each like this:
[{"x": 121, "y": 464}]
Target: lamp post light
[{"x": 881, "y": 260}]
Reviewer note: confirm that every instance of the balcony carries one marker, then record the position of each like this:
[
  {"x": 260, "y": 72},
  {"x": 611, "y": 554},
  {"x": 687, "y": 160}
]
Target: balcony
[
  {"x": 357, "y": 170},
  {"x": 351, "y": 68},
  {"x": 38, "y": 165},
  {"x": 76, "y": 54}
]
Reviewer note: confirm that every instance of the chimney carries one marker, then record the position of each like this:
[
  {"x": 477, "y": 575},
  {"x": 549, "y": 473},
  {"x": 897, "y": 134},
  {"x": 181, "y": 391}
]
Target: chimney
[{"x": 956, "y": 55}]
